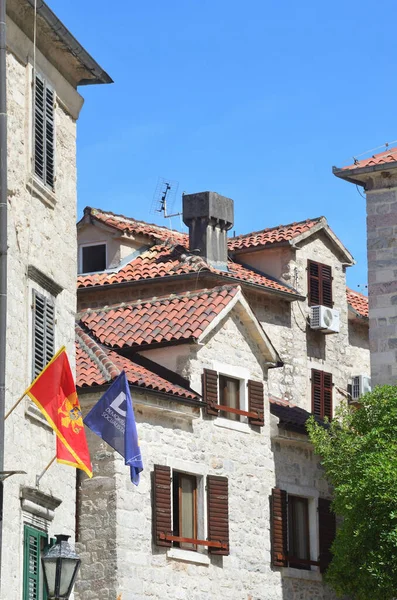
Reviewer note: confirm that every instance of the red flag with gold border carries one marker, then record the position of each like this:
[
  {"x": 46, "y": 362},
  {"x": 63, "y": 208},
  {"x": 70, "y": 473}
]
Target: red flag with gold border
[{"x": 54, "y": 393}]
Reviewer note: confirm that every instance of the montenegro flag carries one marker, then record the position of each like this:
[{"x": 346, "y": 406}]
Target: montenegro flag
[{"x": 54, "y": 393}]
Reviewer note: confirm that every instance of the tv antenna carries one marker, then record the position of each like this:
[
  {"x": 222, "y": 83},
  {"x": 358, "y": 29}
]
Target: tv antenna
[{"x": 164, "y": 197}]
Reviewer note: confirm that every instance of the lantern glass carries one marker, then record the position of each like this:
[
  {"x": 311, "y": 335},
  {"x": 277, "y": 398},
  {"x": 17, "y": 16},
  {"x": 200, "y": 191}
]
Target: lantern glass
[{"x": 60, "y": 565}]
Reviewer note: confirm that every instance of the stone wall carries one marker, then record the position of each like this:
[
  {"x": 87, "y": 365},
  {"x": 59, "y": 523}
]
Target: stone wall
[{"x": 41, "y": 233}]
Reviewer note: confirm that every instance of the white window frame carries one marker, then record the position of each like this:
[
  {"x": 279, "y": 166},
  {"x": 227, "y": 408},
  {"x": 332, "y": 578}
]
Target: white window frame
[
  {"x": 89, "y": 244},
  {"x": 312, "y": 495},
  {"x": 200, "y": 555},
  {"x": 243, "y": 375}
]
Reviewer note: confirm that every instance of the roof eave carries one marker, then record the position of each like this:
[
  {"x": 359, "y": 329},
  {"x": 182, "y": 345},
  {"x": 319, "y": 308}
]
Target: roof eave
[
  {"x": 351, "y": 175},
  {"x": 92, "y": 389}
]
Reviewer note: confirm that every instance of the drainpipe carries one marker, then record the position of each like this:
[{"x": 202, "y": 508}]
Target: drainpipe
[{"x": 3, "y": 242}]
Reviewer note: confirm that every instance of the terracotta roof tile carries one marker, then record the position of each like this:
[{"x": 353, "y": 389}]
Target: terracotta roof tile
[
  {"x": 387, "y": 156},
  {"x": 96, "y": 365},
  {"x": 358, "y": 302},
  {"x": 155, "y": 321},
  {"x": 134, "y": 227},
  {"x": 162, "y": 260},
  {"x": 273, "y": 235}
]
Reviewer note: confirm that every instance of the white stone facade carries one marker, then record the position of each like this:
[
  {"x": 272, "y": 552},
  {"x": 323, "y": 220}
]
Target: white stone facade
[
  {"x": 116, "y": 515},
  {"x": 41, "y": 256}
]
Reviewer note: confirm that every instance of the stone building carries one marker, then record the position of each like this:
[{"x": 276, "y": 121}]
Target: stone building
[
  {"x": 226, "y": 359},
  {"x": 43, "y": 107},
  {"x": 378, "y": 176}
]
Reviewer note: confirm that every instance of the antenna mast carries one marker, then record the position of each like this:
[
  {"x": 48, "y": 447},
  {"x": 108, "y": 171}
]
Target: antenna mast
[{"x": 164, "y": 197}]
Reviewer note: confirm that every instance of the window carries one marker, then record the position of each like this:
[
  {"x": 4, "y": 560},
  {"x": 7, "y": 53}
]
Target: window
[
  {"x": 319, "y": 284},
  {"x": 43, "y": 332},
  {"x": 229, "y": 395},
  {"x": 321, "y": 394},
  {"x": 222, "y": 394},
  {"x": 177, "y": 511},
  {"x": 35, "y": 542},
  {"x": 293, "y": 526},
  {"x": 44, "y": 138},
  {"x": 93, "y": 258},
  {"x": 298, "y": 531},
  {"x": 184, "y": 502}
]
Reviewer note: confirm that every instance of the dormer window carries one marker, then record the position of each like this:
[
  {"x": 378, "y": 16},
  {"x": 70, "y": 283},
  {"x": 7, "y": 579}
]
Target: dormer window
[
  {"x": 92, "y": 258},
  {"x": 319, "y": 284}
]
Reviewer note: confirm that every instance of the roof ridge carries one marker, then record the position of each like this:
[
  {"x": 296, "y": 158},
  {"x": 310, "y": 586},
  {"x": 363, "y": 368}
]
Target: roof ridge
[
  {"x": 161, "y": 299},
  {"x": 356, "y": 292},
  {"x": 94, "y": 210},
  {"x": 107, "y": 367},
  {"x": 281, "y": 226}
]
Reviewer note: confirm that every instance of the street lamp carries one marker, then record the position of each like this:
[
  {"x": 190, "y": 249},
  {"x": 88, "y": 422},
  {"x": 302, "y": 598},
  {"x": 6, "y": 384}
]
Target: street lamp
[{"x": 60, "y": 566}]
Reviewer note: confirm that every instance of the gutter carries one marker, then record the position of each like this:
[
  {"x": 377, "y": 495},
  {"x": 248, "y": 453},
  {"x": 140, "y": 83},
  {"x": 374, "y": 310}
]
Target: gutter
[
  {"x": 3, "y": 241},
  {"x": 350, "y": 174}
]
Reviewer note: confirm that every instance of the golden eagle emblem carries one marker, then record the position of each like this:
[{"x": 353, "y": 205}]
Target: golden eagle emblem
[{"x": 72, "y": 417}]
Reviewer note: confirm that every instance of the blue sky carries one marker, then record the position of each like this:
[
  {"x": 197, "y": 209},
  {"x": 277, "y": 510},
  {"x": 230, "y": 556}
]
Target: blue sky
[{"x": 254, "y": 100}]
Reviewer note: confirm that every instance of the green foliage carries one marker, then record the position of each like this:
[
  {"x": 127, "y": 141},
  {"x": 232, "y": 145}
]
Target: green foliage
[{"x": 359, "y": 454}]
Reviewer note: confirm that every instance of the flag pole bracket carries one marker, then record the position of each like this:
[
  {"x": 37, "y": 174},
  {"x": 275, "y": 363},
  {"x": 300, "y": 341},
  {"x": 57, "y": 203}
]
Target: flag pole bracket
[{"x": 39, "y": 477}]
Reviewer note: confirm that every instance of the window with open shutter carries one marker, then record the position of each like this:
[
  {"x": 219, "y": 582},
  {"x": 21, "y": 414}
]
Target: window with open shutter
[
  {"x": 35, "y": 542},
  {"x": 321, "y": 394},
  {"x": 279, "y": 528},
  {"x": 319, "y": 284},
  {"x": 327, "y": 531},
  {"x": 44, "y": 139},
  {"x": 210, "y": 391},
  {"x": 161, "y": 499},
  {"x": 43, "y": 332},
  {"x": 256, "y": 402}
]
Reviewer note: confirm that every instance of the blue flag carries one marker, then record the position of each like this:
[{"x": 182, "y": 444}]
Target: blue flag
[{"x": 112, "y": 418}]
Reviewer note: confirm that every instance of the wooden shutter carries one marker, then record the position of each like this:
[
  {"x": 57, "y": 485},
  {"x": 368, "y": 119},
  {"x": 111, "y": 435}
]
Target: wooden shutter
[
  {"x": 210, "y": 391},
  {"x": 34, "y": 540},
  {"x": 43, "y": 332},
  {"x": 218, "y": 512},
  {"x": 319, "y": 284},
  {"x": 279, "y": 528},
  {"x": 161, "y": 504},
  {"x": 327, "y": 531},
  {"x": 256, "y": 402},
  {"x": 44, "y": 139},
  {"x": 321, "y": 394},
  {"x": 327, "y": 379}
]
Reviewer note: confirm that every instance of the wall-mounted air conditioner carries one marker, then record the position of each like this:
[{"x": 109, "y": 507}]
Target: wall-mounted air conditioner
[
  {"x": 361, "y": 384},
  {"x": 324, "y": 319}
]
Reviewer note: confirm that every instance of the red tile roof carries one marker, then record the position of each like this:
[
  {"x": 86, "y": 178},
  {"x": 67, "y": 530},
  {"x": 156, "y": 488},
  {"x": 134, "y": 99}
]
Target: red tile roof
[
  {"x": 387, "y": 156},
  {"x": 273, "y": 235},
  {"x": 181, "y": 317},
  {"x": 96, "y": 365},
  {"x": 358, "y": 302},
  {"x": 164, "y": 260},
  {"x": 291, "y": 417},
  {"x": 133, "y": 227}
]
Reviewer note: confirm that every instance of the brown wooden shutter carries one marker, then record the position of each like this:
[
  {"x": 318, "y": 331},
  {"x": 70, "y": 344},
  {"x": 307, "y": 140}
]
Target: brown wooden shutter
[
  {"x": 279, "y": 528},
  {"x": 210, "y": 391},
  {"x": 161, "y": 499},
  {"x": 327, "y": 530},
  {"x": 327, "y": 395},
  {"x": 319, "y": 284},
  {"x": 317, "y": 393},
  {"x": 256, "y": 402},
  {"x": 313, "y": 286},
  {"x": 218, "y": 512},
  {"x": 326, "y": 286}
]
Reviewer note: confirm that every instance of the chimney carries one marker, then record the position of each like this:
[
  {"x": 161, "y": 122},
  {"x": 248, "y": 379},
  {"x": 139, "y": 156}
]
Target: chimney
[{"x": 209, "y": 216}]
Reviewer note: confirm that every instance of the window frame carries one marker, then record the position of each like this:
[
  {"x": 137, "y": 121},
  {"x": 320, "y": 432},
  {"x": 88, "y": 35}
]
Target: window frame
[
  {"x": 320, "y": 279},
  {"x": 50, "y": 88},
  {"x": 80, "y": 257},
  {"x": 176, "y": 478},
  {"x": 294, "y": 561},
  {"x": 221, "y": 390}
]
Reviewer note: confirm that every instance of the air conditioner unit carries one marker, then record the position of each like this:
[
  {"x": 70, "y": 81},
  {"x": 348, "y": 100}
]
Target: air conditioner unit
[
  {"x": 361, "y": 384},
  {"x": 325, "y": 319}
]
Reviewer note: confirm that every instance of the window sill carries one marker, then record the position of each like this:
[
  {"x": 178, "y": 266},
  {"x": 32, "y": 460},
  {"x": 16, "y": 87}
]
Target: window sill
[
  {"x": 301, "y": 574},
  {"x": 235, "y": 425},
  {"x": 188, "y": 556},
  {"x": 39, "y": 190}
]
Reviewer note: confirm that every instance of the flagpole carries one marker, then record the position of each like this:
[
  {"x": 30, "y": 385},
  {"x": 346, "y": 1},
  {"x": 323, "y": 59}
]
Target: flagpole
[
  {"x": 38, "y": 477},
  {"x": 15, "y": 405}
]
